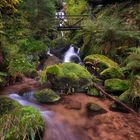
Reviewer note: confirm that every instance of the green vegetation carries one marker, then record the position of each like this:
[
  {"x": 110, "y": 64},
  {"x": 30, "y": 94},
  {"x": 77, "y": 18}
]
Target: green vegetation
[
  {"x": 19, "y": 122},
  {"x": 116, "y": 85},
  {"x": 110, "y": 49},
  {"x": 69, "y": 77},
  {"x": 132, "y": 95}
]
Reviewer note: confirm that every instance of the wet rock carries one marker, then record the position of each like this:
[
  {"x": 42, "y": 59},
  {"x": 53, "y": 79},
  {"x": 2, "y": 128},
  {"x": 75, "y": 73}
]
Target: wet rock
[
  {"x": 67, "y": 77},
  {"x": 46, "y": 96},
  {"x": 112, "y": 73},
  {"x": 51, "y": 60},
  {"x": 118, "y": 108},
  {"x": 116, "y": 85},
  {"x": 104, "y": 66},
  {"x": 94, "y": 109}
]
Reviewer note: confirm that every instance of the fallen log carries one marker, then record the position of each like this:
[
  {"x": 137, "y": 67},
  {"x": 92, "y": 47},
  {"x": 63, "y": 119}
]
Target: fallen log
[{"x": 114, "y": 99}]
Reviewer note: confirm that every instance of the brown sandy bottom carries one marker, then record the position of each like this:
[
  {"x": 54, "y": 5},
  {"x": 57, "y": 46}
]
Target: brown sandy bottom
[
  {"x": 106, "y": 126},
  {"x": 72, "y": 112}
]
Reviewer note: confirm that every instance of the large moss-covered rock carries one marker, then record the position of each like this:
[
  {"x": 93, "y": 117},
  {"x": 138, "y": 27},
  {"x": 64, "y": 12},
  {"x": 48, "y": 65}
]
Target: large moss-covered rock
[
  {"x": 111, "y": 73},
  {"x": 116, "y": 85},
  {"x": 132, "y": 95},
  {"x": 46, "y": 96},
  {"x": 69, "y": 77},
  {"x": 104, "y": 66},
  {"x": 101, "y": 60},
  {"x": 22, "y": 123},
  {"x": 7, "y": 105}
]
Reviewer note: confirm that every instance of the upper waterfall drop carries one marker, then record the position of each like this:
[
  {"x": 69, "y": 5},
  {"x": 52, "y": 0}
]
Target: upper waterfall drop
[{"x": 71, "y": 55}]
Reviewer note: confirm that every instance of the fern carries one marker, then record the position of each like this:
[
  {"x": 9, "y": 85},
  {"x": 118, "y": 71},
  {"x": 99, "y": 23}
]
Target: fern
[{"x": 132, "y": 62}]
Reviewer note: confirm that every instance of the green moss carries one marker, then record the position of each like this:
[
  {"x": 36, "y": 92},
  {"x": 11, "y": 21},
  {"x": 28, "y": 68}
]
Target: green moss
[
  {"x": 68, "y": 76},
  {"x": 112, "y": 72},
  {"x": 24, "y": 123},
  {"x": 93, "y": 92},
  {"x": 116, "y": 85},
  {"x": 132, "y": 95},
  {"x": 7, "y": 104},
  {"x": 101, "y": 60},
  {"x": 3, "y": 79},
  {"x": 46, "y": 96}
]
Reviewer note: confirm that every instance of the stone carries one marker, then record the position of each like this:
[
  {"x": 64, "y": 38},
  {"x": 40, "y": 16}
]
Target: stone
[
  {"x": 116, "y": 85},
  {"x": 94, "y": 109},
  {"x": 118, "y": 108},
  {"x": 104, "y": 66},
  {"x": 67, "y": 77},
  {"x": 111, "y": 73},
  {"x": 46, "y": 96}
]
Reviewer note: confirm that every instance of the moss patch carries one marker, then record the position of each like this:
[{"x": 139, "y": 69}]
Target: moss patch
[
  {"x": 69, "y": 77},
  {"x": 116, "y": 85},
  {"x": 93, "y": 92},
  {"x": 132, "y": 95},
  {"x": 46, "y": 96},
  {"x": 102, "y": 60},
  {"x": 112, "y": 73}
]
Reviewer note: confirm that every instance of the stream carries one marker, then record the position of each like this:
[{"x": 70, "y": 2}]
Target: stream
[{"x": 56, "y": 129}]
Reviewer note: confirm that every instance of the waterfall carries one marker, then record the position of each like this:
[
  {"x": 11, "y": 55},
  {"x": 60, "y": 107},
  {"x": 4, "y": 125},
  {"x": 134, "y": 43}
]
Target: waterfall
[
  {"x": 49, "y": 52},
  {"x": 71, "y": 55}
]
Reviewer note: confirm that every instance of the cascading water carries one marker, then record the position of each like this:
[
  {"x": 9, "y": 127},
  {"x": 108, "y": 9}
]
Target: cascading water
[
  {"x": 71, "y": 55},
  {"x": 55, "y": 129}
]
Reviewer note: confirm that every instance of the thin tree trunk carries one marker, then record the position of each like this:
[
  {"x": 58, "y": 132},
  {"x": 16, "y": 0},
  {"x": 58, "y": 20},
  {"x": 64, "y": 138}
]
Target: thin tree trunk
[{"x": 114, "y": 99}]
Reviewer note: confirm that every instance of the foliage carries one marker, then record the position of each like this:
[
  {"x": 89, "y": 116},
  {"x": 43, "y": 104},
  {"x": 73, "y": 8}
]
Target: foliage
[
  {"x": 21, "y": 123},
  {"x": 78, "y": 7},
  {"x": 31, "y": 46},
  {"x": 8, "y": 6},
  {"x": 7, "y": 105},
  {"x": 132, "y": 95},
  {"x": 132, "y": 62}
]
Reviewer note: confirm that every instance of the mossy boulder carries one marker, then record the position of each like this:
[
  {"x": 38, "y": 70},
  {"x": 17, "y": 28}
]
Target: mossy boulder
[
  {"x": 104, "y": 66},
  {"x": 116, "y": 85},
  {"x": 111, "y": 73},
  {"x": 7, "y": 105},
  {"x": 23, "y": 123},
  {"x": 46, "y": 96},
  {"x": 101, "y": 60},
  {"x": 132, "y": 96},
  {"x": 69, "y": 77}
]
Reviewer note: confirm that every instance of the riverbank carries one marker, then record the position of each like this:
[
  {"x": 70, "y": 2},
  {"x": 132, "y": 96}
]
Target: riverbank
[{"x": 72, "y": 113}]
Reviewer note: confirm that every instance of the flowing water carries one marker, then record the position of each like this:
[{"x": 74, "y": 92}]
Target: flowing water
[
  {"x": 56, "y": 129},
  {"x": 71, "y": 55}
]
